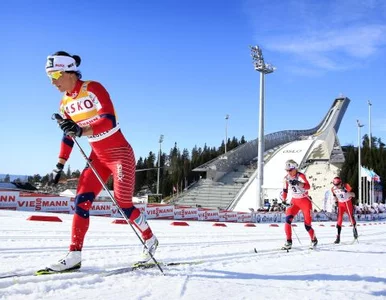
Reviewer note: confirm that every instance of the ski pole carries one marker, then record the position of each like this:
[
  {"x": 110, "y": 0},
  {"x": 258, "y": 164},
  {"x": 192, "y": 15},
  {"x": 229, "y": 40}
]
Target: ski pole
[
  {"x": 351, "y": 217},
  {"x": 292, "y": 228},
  {"x": 294, "y": 231},
  {"x": 59, "y": 119},
  {"x": 320, "y": 209}
]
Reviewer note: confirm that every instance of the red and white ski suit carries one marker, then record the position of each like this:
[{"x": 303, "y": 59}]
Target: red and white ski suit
[
  {"x": 89, "y": 104},
  {"x": 299, "y": 201},
  {"x": 343, "y": 197}
]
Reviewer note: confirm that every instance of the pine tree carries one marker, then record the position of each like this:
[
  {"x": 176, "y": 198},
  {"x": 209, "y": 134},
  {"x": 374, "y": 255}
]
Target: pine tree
[
  {"x": 374, "y": 159},
  {"x": 68, "y": 173},
  {"x": 7, "y": 178}
]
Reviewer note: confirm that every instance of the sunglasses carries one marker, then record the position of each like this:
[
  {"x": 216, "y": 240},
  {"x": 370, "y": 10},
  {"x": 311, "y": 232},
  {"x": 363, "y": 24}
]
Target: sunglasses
[
  {"x": 55, "y": 75},
  {"x": 289, "y": 170}
]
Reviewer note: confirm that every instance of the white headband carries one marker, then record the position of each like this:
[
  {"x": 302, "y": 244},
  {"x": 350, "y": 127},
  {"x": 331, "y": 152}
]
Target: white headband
[{"x": 60, "y": 63}]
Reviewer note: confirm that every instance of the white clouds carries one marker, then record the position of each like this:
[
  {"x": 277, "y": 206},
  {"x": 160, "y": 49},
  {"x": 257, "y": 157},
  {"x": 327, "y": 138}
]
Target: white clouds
[
  {"x": 365, "y": 41},
  {"x": 336, "y": 49},
  {"x": 356, "y": 41},
  {"x": 329, "y": 35}
]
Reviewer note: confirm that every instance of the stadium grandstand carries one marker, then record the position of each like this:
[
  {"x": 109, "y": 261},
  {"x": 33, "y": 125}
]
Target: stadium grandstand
[{"x": 229, "y": 181}]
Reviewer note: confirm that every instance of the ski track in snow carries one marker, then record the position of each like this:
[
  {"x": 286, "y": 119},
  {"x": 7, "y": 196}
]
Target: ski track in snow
[{"x": 229, "y": 268}]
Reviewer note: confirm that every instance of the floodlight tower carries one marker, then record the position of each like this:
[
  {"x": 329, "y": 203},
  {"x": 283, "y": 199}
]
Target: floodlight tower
[
  {"x": 263, "y": 68},
  {"x": 370, "y": 138},
  {"x": 359, "y": 163},
  {"x": 161, "y": 139},
  {"x": 226, "y": 131}
]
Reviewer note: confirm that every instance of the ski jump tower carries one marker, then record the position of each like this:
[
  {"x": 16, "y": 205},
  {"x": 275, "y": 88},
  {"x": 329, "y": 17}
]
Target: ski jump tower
[{"x": 316, "y": 150}]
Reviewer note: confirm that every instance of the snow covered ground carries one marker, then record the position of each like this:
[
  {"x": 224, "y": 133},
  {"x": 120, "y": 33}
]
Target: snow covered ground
[{"x": 229, "y": 269}]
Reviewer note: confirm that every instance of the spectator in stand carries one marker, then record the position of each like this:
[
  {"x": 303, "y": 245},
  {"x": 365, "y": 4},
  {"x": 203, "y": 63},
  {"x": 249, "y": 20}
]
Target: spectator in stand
[
  {"x": 297, "y": 183},
  {"x": 360, "y": 209},
  {"x": 343, "y": 196},
  {"x": 87, "y": 111},
  {"x": 366, "y": 209}
]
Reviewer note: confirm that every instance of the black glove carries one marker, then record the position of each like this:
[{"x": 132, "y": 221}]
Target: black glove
[
  {"x": 56, "y": 173},
  {"x": 284, "y": 203},
  {"x": 71, "y": 128},
  {"x": 294, "y": 181}
]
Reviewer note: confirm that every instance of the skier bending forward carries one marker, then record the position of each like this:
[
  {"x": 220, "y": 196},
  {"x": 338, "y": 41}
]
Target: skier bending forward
[{"x": 87, "y": 110}]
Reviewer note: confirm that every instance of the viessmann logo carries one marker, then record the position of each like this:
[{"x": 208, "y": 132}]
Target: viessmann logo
[
  {"x": 160, "y": 211},
  {"x": 210, "y": 214},
  {"x": 187, "y": 212}
]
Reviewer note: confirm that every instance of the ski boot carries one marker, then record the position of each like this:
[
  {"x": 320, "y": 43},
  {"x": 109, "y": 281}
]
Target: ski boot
[
  {"x": 71, "y": 261},
  {"x": 287, "y": 246},
  {"x": 149, "y": 250},
  {"x": 314, "y": 242},
  {"x": 337, "y": 241}
]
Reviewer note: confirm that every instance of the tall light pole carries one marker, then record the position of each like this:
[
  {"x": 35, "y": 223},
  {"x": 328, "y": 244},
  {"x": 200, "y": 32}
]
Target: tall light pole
[
  {"x": 370, "y": 139},
  {"x": 161, "y": 139},
  {"x": 226, "y": 131},
  {"x": 370, "y": 142},
  {"x": 263, "y": 68},
  {"x": 359, "y": 163}
]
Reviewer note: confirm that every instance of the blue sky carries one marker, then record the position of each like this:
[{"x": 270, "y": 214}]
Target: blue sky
[{"x": 178, "y": 67}]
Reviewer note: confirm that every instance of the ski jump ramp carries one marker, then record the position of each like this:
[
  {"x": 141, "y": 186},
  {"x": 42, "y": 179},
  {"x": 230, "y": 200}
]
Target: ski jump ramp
[{"x": 316, "y": 150}]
